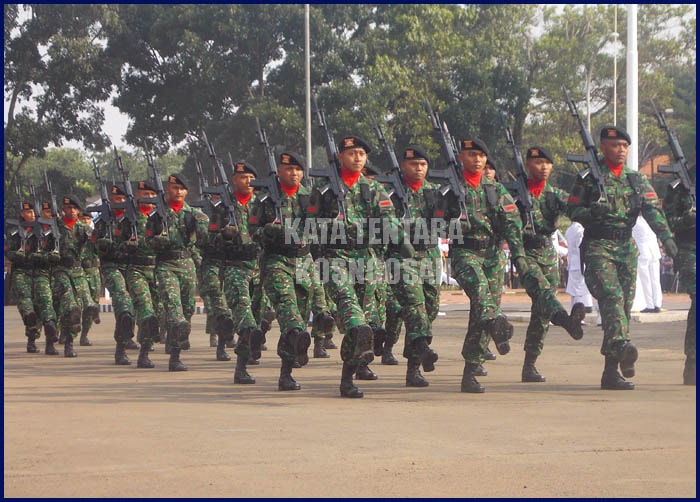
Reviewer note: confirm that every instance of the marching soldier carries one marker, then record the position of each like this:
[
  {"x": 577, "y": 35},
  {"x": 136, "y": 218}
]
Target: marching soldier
[
  {"x": 173, "y": 241},
  {"x": 70, "y": 289},
  {"x": 679, "y": 207},
  {"x": 608, "y": 250},
  {"x": 548, "y": 204},
  {"x": 91, "y": 267},
  {"x": 286, "y": 268}
]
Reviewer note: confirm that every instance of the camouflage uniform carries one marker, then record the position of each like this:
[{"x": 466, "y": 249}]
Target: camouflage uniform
[
  {"x": 493, "y": 216},
  {"x": 542, "y": 280},
  {"x": 286, "y": 272},
  {"x": 351, "y": 267},
  {"x": 680, "y": 211},
  {"x": 415, "y": 282},
  {"x": 610, "y": 255},
  {"x": 141, "y": 283},
  {"x": 175, "y": 271},
  {"x": 70, "y": 289},
  {"x": 91, "y": 267}
]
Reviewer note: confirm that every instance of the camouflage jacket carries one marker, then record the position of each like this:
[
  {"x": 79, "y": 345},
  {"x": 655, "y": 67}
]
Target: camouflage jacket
[
  {"x": 423, "y": 206},
  {"x": 546, "y": 209},
  {"x": 628, "y": 195},
  {"x": 242, "y": 247},
  {"x": 73, "y": 240},
  {"x": 186, "y": 228},
  {"x": 676, "y": 204}
]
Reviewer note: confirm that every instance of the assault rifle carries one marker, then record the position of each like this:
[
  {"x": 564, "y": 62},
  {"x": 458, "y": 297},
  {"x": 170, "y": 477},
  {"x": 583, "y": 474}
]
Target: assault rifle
[
  {"x": 21, "y": 226},
  {"x": 160, "y": 200},
  {"x": 590, "y": 158},
  {"x": 271, "y": 184},
  {"x": 222, "y": 189},
  {"x": 332, "y": 171},
  {"x": 52, "y": 223},
  {"x": 130, "y": 207},
  {"x": 519, "y": 186},
  {"x": 105, "y": 208},
  {"x": 680, "y": 167},
  {"x": 205, "y": 201},
  {"x": 395, "y": 177},
  {"x": 454, "y": 167}
]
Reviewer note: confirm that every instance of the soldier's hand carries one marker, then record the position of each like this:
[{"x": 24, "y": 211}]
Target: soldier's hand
[
  {"x": 54, "y": 257},
  {"x": 521, "y": 266},
  {"x": 103, "y": 244},
  {"x": 273, "y": 233},
  {"x": 689, "y": 219},
  {"x": 671, "y": 247},
  {"x": 600, "y": 209},
  {"x": 529, "y": 233},
  {"x": 230, "y": 233},
  {"x": 406, "y": 250}
]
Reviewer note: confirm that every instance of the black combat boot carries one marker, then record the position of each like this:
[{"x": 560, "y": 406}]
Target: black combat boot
[
  {"x": 31, "y": 346},
  {"x": 144, "y": 361},
  {"x": 328, "y": 343},
  {"x": 414, "y": 378},
  {"x": 347, "y": 388},
  {"x": 469, "y": 382},
  {"x": 175, "y": 364},
  {"x": 320, "y": 349},
  {"x": 240, "y": 375},
  {"x": 221, "y": 354},
  {"x": 299, "y": 342},
  {"x": 68, "y": 346},
  {"x": 132, "y": 345},
  {"x": 30, "y": 319},
  {"x": 213, "y": 340},
  {"x": 84, "y": 340},
  {"x": 92, "y": 312},
  {"x": 120, "y": 357},
  {"x": 689, "y": 372},
  {"x": 364, "y": 373},
  {"x": 571, "y": 322},
  {"x": 387, "y": 356},
  {"x": 62, "y": 338},
  {"x": 480, "y": 370},
  {"x": 612, "y": 380},
  {"x": 500, "y": 331},
  {"x": 530, "y": 373},
  {"x": 628, "y": 356},
  {"x": 257, "y": 341},
  {"x": 51, "y": 338},
  {"x": 427, "y": 355},
  {"x": 266, "y": 321},
  {"x": 286, "y": 381},
  {"x": 489, "y": 356},
  {"x": 379, "y": 339}
]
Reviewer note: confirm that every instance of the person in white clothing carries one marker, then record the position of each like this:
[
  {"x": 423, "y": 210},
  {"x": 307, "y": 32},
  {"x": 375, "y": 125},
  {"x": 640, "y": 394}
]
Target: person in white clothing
[
  {"x": 648, "y": 297},
  {"x": 576, "y": 285}
]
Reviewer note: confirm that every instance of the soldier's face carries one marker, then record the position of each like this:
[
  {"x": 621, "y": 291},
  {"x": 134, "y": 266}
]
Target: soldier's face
[
  {"x": 615, "y": 150},
  {"x": 290, "y": 175},
  {"x": 241, "y": 182},
  {"x": 117, "y": 199},
  {"x": 414, "y": 170},
  {"x": 145, "y": 194},
  {"x": 538, "y": 169},
  {"x": 353, "y": 159},
  {"x": 71, "y": 212},
  {"x": 489, "y": 172},
  {"x": 473, "y": 161},
  {"x": 46, "y": 213},
  {"x": 27, "y": 215},
  {"x": 176, "y": 192}
]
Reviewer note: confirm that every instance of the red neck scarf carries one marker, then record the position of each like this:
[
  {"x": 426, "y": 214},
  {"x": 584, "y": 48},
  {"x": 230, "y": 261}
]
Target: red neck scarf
[
  {"x": 69, "y": 223},
  {"x": 244, "y": 199},
  {"x": 119, "y": 213},
  {"x": 145, "y": 210},
  {"x": 175, "y": 206},
  {"x": 415, "y": 185},
  {"x": 535, "y": 187},
  {"x": 290, "y": 190},
  {"x": 472, "y": 179},
  {"x": 615, "y": 169},
  {"x": 349, "y": 177}
]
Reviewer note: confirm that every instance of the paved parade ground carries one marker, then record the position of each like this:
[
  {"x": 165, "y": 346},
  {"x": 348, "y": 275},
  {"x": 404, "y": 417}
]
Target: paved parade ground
[{"x": 84, "y": 427}]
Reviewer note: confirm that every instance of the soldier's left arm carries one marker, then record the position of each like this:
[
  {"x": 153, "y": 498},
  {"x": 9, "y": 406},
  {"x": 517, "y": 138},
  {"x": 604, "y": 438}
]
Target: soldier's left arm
[
  {"x": 509, "y": 223},
  {"x": 651, "y": 210},
  {"x": 201, "y": 227}
]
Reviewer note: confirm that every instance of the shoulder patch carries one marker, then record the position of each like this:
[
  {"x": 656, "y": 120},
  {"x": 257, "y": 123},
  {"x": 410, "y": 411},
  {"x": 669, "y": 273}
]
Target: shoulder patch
[
  {"x": 573, "y": 199},
  {"x": 650, "y": 195},
  {"x": 385, "y": 203},
  {"x": 509, "y": 207}
]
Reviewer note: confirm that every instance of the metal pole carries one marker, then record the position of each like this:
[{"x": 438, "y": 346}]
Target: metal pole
[
  {"x": 615, "y": 37},
  {"x": 632, "y": 87},
  {"x": 307, "y": 68}
]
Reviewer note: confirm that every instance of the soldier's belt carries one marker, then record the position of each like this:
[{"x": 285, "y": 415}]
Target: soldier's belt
[
  {"x": 290, "y": 252},
  {"x": 475, "y": 244},
  {"x": 613, "y": 234},
  {"x": 173, "y": 255},
  {"x": 69, "y": 262},
  {"x": 90, "y": 263},
  {"x": 535, "y": 243},
  {"x": 141, "y": 260}
]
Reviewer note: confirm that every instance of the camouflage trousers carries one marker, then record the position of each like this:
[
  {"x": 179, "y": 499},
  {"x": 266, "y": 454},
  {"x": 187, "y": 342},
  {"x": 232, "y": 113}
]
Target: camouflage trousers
[
  {"x": 212, "y": 292},
  {"x": 71, "y": 295},
  {"x": 415, "y": 285},
  {"x": 237, "y": 290},
  {"x": 115, "y": 283},
  {"x": 685, "y": 264},
  {"x": 319, "y": 306},
  {"x": 350, "y": 279},
  {"x": 177, "y": 282},
  {"x": 260, "y": 303},
  {"x": 394, "y": 322},
  {"x": 610, "y": 275},
  {"x": 141, "y": 282},
  {"x": 473, "y": 271},
  {"x": 92, "y": 276},
  {"x": 288, "y": 285},
  {"x": 33, "y": 291},
  {"x": 541, "y": 286}
]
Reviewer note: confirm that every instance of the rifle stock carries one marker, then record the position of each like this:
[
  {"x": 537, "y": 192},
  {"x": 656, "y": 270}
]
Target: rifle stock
[{"x": 271, "y": 183}]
